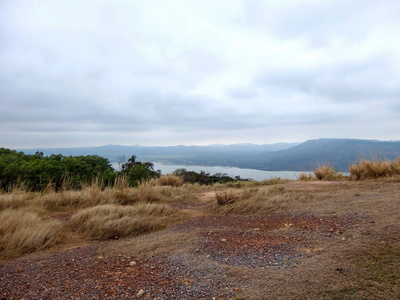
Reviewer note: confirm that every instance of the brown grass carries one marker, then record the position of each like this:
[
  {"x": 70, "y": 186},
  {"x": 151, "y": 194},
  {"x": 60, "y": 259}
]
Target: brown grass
[
  {"x": 24, "y": 232},
  {"x": 305, "y": 177},
  {"x": 152, "y": 245},
  {"x": 112, "y": 221},
  {"x": 16, "y": 199},
  {"x": 169, "y": 180},
  {"x": 226, "y": 197},
  {"x": 376, "y": 274},
  {"x": 365, "y": 169},
  {"x": 325, "y": 173},
  {"x": 257, "y": 202}
]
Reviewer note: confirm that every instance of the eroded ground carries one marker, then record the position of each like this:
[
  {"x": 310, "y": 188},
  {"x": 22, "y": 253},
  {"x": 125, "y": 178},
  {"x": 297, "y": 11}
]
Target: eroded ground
[{"x": 319, "y": 249}]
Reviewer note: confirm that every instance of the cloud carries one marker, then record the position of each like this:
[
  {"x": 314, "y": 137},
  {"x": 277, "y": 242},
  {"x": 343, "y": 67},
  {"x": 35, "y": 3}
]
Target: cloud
[
  {"x": 79, "y": 73},
  {"x": 376, "y": 79}
]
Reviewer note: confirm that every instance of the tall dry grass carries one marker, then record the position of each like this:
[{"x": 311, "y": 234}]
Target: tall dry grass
[
  {"x": 17, "y": 198},
  {"x": 258, "y": 202},
  {"x": 365, "y": 169},
  {"x": 325, "y": 173},
  {"x": 24, "y": 232},
  {"x": 305, "y": 177},
  {"x": 28, "y": 221},
  {"x": 169, "y": 180},
  {"x": 112, "y": 221}
]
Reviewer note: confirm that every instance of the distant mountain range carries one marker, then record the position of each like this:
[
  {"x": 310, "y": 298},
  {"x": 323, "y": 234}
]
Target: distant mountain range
[{"x": 306, "y": 156}]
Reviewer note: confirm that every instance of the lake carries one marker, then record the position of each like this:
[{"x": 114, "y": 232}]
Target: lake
[{"x": 231, "y": 171}]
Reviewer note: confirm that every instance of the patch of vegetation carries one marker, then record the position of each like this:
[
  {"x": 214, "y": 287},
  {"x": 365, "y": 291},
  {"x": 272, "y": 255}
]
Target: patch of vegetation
[
  {"x": 112, "y": 221},
  {"x": 169, "y": 180},
  {"x": 379, "y": 278},
  {"x": 36, "y": 171},
  {"x": 257, "y": 202},
  {"x": 23, "y": 232},
  {"x": 325, "y": 173},
  {"x": 305, "y": 177},
  {"x": 205, "y": 178},
  {"x": 365, "y": 169}
]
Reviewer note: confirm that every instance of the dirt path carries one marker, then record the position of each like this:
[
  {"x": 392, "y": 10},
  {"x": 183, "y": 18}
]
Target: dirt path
[{"x": 303, "y": 254}]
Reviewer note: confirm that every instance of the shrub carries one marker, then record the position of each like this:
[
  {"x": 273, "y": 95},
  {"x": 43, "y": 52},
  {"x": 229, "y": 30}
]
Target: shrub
[
  {"x": 374, "y": 169},
  {"x": 325, "y": 173}
]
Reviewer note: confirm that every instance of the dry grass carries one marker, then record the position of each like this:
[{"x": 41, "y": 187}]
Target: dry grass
[
  {"x": 365, "y": 169},
  {"x": 376, "y": 272},
  {"x": 305, "y": 177},
  {"x": 112, "y": 221},
  {"x": 257, "y": 202},
  {"x": 24, "y": 232},
  {"x": 98, "y": 213},
  {"x": 226, "y": 197},
  {"x": 151, "y": 245},
  {"x": 169, "y": 180},
  {"x": 16, "y": 199},
  {"x": 325, "y": 173},
  {"x": 274, "y": 181}
]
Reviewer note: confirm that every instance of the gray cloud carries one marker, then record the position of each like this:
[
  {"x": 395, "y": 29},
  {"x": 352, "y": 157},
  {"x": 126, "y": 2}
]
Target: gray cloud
[
  {"x": 375, "y": 79},
  {"x": 78, "y": 73}
]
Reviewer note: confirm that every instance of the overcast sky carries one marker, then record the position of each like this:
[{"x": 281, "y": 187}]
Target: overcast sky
[{"x": 89, "y": 73}]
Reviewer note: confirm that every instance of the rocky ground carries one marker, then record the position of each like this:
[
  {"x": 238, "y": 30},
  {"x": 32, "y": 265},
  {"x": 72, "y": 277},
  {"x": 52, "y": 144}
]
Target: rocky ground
[{"x": 316, "y": 250}]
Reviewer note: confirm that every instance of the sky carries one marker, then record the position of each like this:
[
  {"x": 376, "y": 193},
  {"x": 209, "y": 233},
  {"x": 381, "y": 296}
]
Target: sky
[{"x": 77, "y": 73}]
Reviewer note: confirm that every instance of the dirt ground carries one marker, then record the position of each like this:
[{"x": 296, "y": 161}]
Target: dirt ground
[{"x": 343, "y": 243}]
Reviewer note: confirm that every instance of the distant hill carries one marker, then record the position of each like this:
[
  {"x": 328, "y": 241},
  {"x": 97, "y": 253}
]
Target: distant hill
[
  {"x": 203, "y": 155},
  {"x": 339, "y": 153}
]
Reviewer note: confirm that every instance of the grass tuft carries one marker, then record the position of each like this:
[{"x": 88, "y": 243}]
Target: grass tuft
[
  {"x": 305, "y": 177},
  {"x": 325, "y": 173},
  {"x": 169, "y": 180},
  {"x": 257, "y": 202},
  {"x": 365, "y": 169},
  {"x": 112, "y": 221},
  {"x": 23, "y": 232}
]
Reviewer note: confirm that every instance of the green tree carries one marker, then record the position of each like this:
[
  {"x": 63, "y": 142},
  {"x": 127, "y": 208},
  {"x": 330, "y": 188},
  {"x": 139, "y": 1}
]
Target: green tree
[{"x": 137, "y": 171}]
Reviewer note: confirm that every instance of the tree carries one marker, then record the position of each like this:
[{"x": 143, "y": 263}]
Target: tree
[{"x": 137, "y": 171}]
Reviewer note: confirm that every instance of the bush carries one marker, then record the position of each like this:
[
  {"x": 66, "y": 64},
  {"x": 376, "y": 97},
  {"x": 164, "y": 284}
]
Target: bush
[
  {"x": 374, "y": 169},
  {"x": 325, "y": 173}
]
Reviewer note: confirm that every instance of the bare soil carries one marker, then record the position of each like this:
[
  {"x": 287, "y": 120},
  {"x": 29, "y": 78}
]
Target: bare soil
[{"x": 316, "y": 250}]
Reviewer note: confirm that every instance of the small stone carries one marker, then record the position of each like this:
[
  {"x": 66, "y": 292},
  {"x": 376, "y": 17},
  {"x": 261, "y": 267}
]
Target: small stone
[
  {"x": 197, "y": 251},
  {"x": 140, "y": 293},
  {"x": 132, "y": 263},
  {"x": 343, "y": 239},
  {"x": 223, "y": 240},
  {"x": 257, "y": 229}
]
